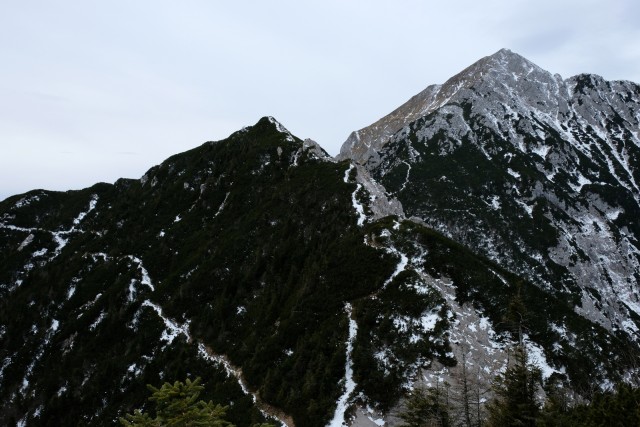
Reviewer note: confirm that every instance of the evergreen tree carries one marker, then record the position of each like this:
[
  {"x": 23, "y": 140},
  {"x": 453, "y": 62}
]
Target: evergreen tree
[
  {"x": 557, "y": 404},
  {"x": 177, "y": 405},
  {"x": 515, "y": 403},
  {"x": 619, "y": 407},
  {"x": 517, "y": 315},
  {"x": 426, "y": 407}
]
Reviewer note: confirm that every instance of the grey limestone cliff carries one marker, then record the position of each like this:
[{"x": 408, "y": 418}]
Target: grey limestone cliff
[{"x": 534, "y": 171}]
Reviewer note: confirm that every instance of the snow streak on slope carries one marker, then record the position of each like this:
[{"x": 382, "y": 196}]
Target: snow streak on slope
[
  {"x": 378, "y": 203},
  {"x": 402, "y": 263},
  {"x": 59, "y": 237},
  {"x": 174, "y": 329},
  {"x": 221, "y": 208},
  {"x": 354, "y": 197},
  {"x": 145, "y": 279},
  {"x": 92, "y": 205},
  {"x": 349, "y": 384},
  {"x": 40, "y": 351}
]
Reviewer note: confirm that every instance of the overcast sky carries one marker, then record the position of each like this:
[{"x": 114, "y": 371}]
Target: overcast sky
[{"x": 93, "y": 91}]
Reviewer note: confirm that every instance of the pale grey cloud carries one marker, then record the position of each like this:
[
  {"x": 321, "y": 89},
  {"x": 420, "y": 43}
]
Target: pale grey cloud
[{"x": 98, "y": 79}]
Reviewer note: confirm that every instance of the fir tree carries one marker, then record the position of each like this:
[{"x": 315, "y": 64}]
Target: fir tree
[
  {"x": 515, "y": 402},
  {"x": 426, "y": 407},
  {"x": 177, "y": 405}
]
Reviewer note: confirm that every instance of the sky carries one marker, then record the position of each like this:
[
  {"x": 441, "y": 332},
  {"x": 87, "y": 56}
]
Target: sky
[{"x": 93, "y": 91}]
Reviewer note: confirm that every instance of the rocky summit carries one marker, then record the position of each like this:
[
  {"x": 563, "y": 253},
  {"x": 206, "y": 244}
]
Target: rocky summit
[
  {"x": 312, "y": 291},
  {"x": 537, "y": 173}
]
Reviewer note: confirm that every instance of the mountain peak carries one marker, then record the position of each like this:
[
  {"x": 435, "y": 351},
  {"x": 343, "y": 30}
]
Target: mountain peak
[
  {"x": 507, "y": 54},
  {"x": 497, "y": 76},
  {"x": 276, "y": 123},
  {"x": 270, "y": 123},
  {"x": 512, "y": 61},
  {"x": 504, "y": 64}
]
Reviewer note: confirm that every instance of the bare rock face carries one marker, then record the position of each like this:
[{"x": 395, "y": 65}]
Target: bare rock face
[
  {"x": 364, "y": 144},
  {"x": 533, "y": 171}
]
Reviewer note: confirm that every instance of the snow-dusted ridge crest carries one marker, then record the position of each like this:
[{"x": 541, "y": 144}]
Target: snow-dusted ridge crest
[{"x": 506, "y": 71}]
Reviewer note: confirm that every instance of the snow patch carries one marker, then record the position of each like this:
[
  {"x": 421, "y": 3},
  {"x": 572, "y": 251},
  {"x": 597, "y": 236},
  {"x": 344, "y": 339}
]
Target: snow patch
[
  {"x": 144, "y": 278},
  {"x": 582, "y": 181},
  {"x": 92, "y": 205},
  {"x": 102, "y": 255},
  {"x": 541, "y": 151},
  {"x": 41, "y": 252},
  {"x": 536, "y": 357},
  {"x": 97, "y": 322},
  {"x": 232, "y": 371},
  {"x": 513, "y": 173},
  {"x": 25, "y": 201},
  {"x": 527, "y": 208},
  {"x": 377, "y": 421},
  {"x": 494, "y": 202},
  {"x": 630, "y": 327},
  {"x": 5, "y": 363},
  {"x": 402, "y": 264},
  {"x": 26, "y": 242},
  {"x": 420, "y": 288},
  {"x": 221, "y": 208},
  {"x": 613, "y": 215},
  {"x": 406, "y": 179},
  {"x": 60, "y": 241},
  {"x": 134, "y": 370},
  {"x": 429, "y": 321}
]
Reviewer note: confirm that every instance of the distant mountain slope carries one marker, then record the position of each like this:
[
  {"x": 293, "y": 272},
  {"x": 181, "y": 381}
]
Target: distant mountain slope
[{"x": 538, "y": 173}]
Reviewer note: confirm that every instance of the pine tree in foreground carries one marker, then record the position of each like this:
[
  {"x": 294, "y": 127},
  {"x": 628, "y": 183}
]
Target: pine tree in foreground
[{"x": 177, "y": 405}]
